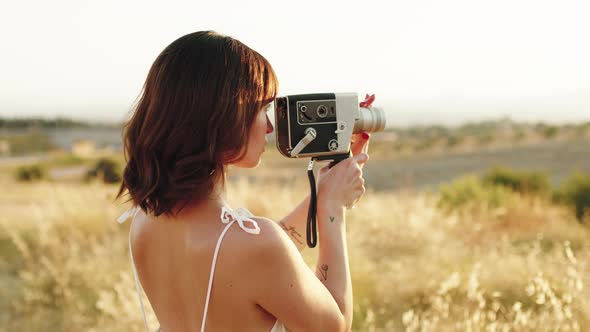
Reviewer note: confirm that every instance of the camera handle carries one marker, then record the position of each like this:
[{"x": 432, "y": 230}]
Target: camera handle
[{"x": 311, "y": 229}]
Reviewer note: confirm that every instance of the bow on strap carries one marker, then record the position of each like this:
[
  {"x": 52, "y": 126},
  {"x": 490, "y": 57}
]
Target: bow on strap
[{"x": 240, "y": 215}]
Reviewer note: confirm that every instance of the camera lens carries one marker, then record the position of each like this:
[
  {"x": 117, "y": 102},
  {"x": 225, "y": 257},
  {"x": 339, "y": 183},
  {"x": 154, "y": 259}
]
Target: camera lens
[
  {"x": 322, "y": 111},
  {"x": 371, "y": 119}
]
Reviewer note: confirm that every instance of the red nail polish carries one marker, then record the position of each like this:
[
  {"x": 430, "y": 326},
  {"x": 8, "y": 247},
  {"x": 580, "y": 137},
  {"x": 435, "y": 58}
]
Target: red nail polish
[{"x": 366, "y": 135}]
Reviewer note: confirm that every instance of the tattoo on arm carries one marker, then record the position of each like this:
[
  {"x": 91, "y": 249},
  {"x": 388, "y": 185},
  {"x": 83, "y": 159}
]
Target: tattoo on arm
[
  {"x": 324, "y": 271},
  {"x": 331, "y": 219},
  {"x": 291, "y": 231}
]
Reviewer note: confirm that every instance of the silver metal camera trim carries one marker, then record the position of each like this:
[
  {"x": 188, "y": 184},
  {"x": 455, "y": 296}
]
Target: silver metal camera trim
[
  {"x": 344, "y": 100},
  {"x": 288, "y": 126}
]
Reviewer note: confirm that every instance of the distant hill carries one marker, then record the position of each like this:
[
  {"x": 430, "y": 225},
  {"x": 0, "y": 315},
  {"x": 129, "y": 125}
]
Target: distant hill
[
  {"x": 22, "y": 136},
  {"x": 59, "y": 122},
  {"x": 501, "y": 133},
  {"x": 26, "y": 135}
]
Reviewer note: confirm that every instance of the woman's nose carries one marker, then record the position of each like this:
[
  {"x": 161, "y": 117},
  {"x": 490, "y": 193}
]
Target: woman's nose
[{"x": 269, "y": 127}]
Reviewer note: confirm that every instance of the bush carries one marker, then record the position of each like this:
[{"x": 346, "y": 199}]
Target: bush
[
  {"x": 68, "y": 159},
  {"x": 519, "y": 135},
  {"x": 575, "y": 192},
  {"x": 550, "y": 131},
  {"x": 105, "y": 170},
  {"x": 455, "y": 139},
  {"x": 30, "y": 173},
  {"x": 425, "y": 143},
  {"x": 470, "y": 191},
  {"x": 485, "y": 139},
  {"x": 522, "y": 182}
]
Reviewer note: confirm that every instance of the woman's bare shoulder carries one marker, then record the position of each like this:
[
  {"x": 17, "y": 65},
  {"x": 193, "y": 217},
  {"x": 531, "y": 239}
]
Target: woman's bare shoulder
[
  {"x": 271, "y": 234},
  {"x": 271, "y": 243}
]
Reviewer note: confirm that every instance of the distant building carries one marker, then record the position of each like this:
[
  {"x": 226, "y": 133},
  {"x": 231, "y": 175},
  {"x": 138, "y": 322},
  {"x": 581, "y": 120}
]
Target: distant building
[
  {"x": 84, "y": 148},
  {"x": 4, "y": 148}
]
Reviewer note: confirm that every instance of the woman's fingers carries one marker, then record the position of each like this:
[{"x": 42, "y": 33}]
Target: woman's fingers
[
  {"x": 360, "y": 143},
  {"x": 366, "y": 136},
  {"x": 361, "y": 158}
]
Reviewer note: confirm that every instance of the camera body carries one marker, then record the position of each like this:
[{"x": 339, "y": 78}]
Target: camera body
[{"x": 321, "y": 125}]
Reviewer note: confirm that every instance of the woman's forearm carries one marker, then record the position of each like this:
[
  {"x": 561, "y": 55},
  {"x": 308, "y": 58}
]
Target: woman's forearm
[
  {"x": 332, "y": 266},
  {"x": 295, "y": 222}
]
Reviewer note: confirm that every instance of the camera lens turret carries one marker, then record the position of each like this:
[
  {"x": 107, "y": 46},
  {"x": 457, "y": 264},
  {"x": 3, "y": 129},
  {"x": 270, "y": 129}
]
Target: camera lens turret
[{"x": 322, "y": 111}]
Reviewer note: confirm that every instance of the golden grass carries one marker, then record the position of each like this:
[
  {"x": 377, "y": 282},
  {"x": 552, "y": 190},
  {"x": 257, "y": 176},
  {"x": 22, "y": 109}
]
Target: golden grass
[{"x": 64, "y": 263}]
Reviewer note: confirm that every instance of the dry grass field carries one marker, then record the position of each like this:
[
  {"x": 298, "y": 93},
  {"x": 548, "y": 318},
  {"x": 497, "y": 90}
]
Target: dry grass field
[
  {"x": 522, "y": 266},
  {"x": 519, "y": 264}
]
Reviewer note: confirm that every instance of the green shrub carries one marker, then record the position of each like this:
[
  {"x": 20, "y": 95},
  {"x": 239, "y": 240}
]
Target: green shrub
[
  {"x": 583, "y": 128},
  {"x": 106, "y": 170},
  {"x": 425, "y": 143},
  {"x": 522, "y": 182},
  {"x": 67, "y": 160},
  {"x": 454, "y": 140},
  {"x": 30, "y": 173},
  {"x": 575, "y": 192},
  {"x": 485, "y": 139},
  {"x": 470, "y": 191},
  {"x": 550, "y": 131},
  {"x": 519, "y": 135}
]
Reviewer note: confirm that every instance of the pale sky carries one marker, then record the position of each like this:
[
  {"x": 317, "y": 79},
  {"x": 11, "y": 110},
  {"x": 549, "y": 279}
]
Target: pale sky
[{"x": 427, "y": 61}]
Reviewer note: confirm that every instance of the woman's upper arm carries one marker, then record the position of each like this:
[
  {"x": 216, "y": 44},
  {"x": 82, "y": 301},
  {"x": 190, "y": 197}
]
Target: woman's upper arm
[{"x": 285, "y": 286}]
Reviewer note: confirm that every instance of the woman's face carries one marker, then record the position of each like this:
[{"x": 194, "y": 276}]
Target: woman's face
[{"x": 260, "y": 128}]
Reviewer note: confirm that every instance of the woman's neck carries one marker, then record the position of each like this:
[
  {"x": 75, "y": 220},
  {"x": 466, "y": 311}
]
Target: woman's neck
[{"x": 215, "y": 200}]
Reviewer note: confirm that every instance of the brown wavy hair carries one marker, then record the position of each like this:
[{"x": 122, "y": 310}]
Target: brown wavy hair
[{"x": 192, "y": 119}]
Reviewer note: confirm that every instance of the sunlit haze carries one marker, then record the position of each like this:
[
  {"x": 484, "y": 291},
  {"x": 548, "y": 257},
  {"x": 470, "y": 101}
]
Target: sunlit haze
[{"x": 427, "y": 62}]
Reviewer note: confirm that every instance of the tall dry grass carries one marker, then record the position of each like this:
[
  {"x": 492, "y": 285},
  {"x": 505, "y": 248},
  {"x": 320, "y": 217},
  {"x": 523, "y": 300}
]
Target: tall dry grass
[{"x": 64, "y": 263}]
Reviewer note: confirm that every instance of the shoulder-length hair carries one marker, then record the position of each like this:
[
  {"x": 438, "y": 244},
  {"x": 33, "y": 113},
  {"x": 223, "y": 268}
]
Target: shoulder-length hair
[{"x": 192, "y": 119}]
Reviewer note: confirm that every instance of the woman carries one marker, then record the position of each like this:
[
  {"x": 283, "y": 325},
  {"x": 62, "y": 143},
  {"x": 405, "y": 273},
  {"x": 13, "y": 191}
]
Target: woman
[{"x": 203, "y": 107}]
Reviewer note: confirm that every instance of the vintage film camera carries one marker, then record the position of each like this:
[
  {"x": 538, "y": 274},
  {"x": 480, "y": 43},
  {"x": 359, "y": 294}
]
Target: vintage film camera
[{"x": 320, "y": 126}]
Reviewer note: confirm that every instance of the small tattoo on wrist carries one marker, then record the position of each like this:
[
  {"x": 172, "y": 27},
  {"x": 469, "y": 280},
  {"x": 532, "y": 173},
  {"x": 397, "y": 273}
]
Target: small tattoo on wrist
[
  {"x": 324, "y": 271},
  {"x": 331, "y": 219}
]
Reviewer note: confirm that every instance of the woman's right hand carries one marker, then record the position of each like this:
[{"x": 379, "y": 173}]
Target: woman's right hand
[{"x": 343, "y": 184}]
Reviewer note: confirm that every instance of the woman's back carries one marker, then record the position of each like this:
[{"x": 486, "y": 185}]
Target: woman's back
[{"x": 173, "y": 260}]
